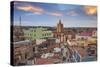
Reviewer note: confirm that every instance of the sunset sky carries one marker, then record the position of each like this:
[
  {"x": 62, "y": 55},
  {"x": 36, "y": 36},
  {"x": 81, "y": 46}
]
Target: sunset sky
[{"x": 46, "y": 14}]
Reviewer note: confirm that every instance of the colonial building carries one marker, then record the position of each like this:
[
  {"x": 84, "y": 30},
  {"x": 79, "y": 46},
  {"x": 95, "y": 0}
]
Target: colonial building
[
  {"x": 18, "y": 34},
  {"x": 60, "y": 28},
  {"x": 23, "y": 51},
  {"x": 61, "y": 34},
  {"x": 37, "y": 33}
]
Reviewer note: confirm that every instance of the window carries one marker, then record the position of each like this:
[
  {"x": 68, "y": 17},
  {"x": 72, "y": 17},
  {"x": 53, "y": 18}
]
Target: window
[
  {"x": 33, "y": 49},
  {"x": 45, "y": 34},
  {"x": 34, "y": 30},
  {"x": 25, "y": 55},
  {"x": 34, "y": 34}
]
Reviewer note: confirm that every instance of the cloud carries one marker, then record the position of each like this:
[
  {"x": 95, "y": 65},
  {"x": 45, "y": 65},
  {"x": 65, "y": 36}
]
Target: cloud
[
  {"x": 55, "y": 14},
  {"x": 37, "y": 10},
  {"x": 90, "y": 10},
  {"x": 30, "y": 8},
  {"x": 72, "y": 13}
]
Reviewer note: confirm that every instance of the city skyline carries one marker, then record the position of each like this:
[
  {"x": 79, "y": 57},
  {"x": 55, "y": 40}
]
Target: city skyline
[{"x": 49, "y": 14}]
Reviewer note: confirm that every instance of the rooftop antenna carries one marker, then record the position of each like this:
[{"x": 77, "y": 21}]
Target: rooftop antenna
[{"x": 20, "y": 21}]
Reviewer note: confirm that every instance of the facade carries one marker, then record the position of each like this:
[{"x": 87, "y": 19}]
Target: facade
[
  {"x": 18, "y": 34},
  {"x": 94, "y": 33},
  {"x": 82, "y": 39},
  {"x": 23, "y": 51},
  {"x": 61, "y": 34},
  {"x": 37, "y": 33},
  {"x": 85, "y": 38}
]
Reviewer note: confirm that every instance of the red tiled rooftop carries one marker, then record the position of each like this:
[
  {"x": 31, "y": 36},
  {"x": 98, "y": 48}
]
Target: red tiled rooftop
[
  {"x": 45, "y": 61},
  {"x": 85, "y": 33}
]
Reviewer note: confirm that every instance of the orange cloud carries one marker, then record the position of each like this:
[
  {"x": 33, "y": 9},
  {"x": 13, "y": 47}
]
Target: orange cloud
[
  {"x": 90, "y": 10},
  {"x": 30, "y": 8},
  {"x": 55, "y": 13},
  {"x": 72, "y": 13}
]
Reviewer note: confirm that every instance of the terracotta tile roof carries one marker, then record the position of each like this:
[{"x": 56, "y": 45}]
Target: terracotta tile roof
[
  {"x": 44, "y": 61},
  {"x": 86, "y": 34}
]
